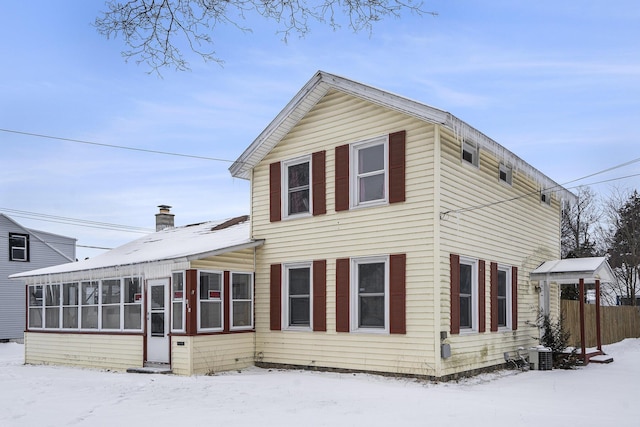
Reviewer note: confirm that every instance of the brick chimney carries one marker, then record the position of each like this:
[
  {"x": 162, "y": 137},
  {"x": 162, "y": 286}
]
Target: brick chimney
[{"x": 164, "y": 219}]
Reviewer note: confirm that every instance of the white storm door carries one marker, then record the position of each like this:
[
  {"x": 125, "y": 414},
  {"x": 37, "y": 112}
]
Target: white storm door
[{"x": 158, "y": 321}]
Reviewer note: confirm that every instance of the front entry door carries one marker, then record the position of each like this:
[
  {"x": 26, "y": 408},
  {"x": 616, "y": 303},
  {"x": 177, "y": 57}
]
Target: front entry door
[{"x": 158, "y": 321}]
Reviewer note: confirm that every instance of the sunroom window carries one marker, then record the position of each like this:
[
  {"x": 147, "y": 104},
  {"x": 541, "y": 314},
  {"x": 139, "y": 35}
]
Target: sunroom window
[{"x": 210, "y": 298}]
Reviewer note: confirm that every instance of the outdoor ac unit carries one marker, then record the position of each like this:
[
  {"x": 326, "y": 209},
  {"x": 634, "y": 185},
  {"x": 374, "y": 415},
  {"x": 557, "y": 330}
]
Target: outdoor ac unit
[{"x": 540, "y": 359}]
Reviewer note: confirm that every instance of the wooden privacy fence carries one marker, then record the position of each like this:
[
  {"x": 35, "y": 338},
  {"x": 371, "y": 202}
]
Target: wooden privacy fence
[{"x": 616, "y": 323}]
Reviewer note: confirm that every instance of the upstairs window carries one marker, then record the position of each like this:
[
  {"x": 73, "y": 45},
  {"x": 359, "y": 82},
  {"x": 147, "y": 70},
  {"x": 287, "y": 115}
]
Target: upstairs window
[
  {"x": 505, "y": 173},
  {"x": 545, "y": 197},
  {"x": 470, "y": 153},
  {"x": 296, "y": 187},
  {"x": 369, "y": 177},
  {"x": 18, "y": 247}
]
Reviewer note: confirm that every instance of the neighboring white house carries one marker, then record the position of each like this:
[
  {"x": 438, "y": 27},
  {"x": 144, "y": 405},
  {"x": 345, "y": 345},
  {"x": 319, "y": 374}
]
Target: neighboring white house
[{"x": 23, "y": 250}]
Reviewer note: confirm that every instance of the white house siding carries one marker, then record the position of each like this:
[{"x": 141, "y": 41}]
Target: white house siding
[
  {"x": 100, "y": 351},
  {"x": 523, "y": 233},
  {"x": 12, "y": 292},
  {"x": 405, "y": 227}
]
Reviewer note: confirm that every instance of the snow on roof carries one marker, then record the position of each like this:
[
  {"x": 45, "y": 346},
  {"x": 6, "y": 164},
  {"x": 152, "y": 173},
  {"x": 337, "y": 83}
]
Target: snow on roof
[
  {"x": 573, "y": 269},
  {"x": 188, "y": 243}
]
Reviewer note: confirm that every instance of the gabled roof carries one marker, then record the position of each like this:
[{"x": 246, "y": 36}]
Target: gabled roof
[
  {"x": 322, "y": 82},
  {"x": 186, "y": 243},
  {"x": 37, "y": 235},
  {"x": 571, "y": 270}
]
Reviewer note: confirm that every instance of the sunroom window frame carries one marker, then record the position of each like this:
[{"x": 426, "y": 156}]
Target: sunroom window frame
[
  {"x": 221, "y": 301},
  {"x": 232, "y": 300}
]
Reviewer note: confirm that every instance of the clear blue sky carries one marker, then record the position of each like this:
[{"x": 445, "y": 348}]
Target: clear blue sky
[{"x": 558, "y": 83}]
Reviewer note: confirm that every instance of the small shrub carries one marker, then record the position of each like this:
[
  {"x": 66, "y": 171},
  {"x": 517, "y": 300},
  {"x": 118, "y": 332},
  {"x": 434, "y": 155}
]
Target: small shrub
[{"x": 555, "y": 337}]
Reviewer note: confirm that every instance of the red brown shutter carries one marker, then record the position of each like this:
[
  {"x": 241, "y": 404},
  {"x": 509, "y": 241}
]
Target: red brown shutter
[
  {"x": 342, "y": 295},
  {"x": 397, "y": 167},
  {"x": 227, "y": 302},
  {"x": 320, "y": 295},
  {"x": 454, "y": 261},
  {"x": 514, "y": 298},
  {"x": 482, "y": 317},
  {"x": 192, "y": 291},
  {"x": 275, "y": 300},
  {"x": 397, "y": 294},
  {"x": 494, "y": 297},
  {"x": 342, "y": 178},
  {"x": 319, "y": 187},
  {"x": 275, "y": 192}
]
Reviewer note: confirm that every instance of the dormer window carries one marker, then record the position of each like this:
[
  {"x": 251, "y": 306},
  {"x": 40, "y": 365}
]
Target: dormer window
[
  {"x": 470, "y": 153},
  {"x": 18, "y": 247},
  {"x": 505, "y": 173}
]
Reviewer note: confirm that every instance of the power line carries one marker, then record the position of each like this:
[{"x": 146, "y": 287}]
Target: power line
[
  {"x": 75, "y": 221},
  {"x": 486, "y": 205},
  {"x": 121, "y": 147}
]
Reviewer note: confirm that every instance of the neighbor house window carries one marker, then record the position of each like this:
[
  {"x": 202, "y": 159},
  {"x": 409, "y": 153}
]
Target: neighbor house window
[
  {"x": 468, "y": 295},
  {"x": 369, "y": 177},
  {"x": 369, "y": 290},
  {"x": 177, "y": 302},
  {"x": 505, "y": 173},
  {"x": 241, "y": 301},
  {"x": 89, "y": 300},
  {"x": 210, "y": 300},
  {"x": 296, "y": 187},
  {"x": 470, "y": 153},
  {"x": 70, "y": 305},
  {"x": 35, "y": 306},
  {"x": 297, "y": 291},
  {"x": 504, "y": 297},
  {"x": 18, "y": 247},
  {"x": 132, "y": 303}
]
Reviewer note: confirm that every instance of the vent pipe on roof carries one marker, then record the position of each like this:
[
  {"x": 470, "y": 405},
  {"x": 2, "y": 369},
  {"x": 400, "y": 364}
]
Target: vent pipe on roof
[{"x": 164, "y": 219}]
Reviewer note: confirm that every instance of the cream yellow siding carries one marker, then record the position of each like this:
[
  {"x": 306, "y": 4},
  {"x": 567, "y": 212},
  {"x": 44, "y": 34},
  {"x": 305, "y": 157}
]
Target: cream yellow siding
[
  {"x": 117, "y": 352},
  {"x": 336, "y": 120},
  {"x": 233, "y": 261},
  {"x": 210, "y": 354},
  {"x": 485, "y": 219}
]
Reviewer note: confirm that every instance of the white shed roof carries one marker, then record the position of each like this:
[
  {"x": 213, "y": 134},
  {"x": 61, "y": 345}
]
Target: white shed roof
[
  {"x": 571, "y": 270},
  {"x": 185, "y": 243},
  {"x": 322, "y": 82}
]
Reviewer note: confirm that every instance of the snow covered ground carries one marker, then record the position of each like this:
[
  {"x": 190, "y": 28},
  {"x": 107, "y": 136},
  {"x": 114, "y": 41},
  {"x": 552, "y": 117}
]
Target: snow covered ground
[{"x": 595, "y": 395}]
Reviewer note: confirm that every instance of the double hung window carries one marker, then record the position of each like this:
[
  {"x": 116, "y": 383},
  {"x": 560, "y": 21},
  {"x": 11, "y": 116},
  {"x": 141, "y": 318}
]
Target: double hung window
[
  {"x": 210, "y": 301},
  {"x": 370, "y": 289},
  {"x": 468, "y": 295},
  {"x": 241, "y": 301},
  {"x": 298, "y": 287},
  {"x": 370, "y": 167},
  {"x": 177, "y": 302},
  {"x": 296, "y": 185},
  {"x": 504, "y": 297},
  {"x": 18, "y": 247}
]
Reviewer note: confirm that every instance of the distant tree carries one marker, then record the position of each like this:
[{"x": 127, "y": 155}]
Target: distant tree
[
  {"x": 156, "y": 31},
  {"x": 580, "y": 221},
  {"x": 624, "y": 243}
]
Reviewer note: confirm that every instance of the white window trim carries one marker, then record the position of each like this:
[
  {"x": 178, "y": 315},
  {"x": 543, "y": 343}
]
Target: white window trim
[
  {"x": 354, "y": 293},
  {"x": 182, "y": 301},
  {"x": 231, "y": 300},
  {"x": 474, "y": 149},
  {"x": 353, "y": 175},
  {"x": 285, "y": 296},
  {"x": 222, "y": 296},
  {"x": 284, "y": 177},
  {"x": 509, "y": 300},
  {"x": 508, "y": 171},
  {"x": 24, "y": 247},
  {"x": 80, "y": 306},
  {"x": 474, "y": 296}
]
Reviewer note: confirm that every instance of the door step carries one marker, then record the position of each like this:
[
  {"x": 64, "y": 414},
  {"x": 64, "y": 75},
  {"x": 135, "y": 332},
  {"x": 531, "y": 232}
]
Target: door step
[{"x": 151, "y": 368}]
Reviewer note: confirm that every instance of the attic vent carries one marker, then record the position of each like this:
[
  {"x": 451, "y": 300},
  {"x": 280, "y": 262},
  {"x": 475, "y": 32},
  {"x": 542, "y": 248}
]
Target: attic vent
[{"x": 230, "y": 222}]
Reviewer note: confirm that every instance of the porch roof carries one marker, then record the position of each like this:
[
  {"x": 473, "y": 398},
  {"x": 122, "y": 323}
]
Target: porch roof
[
  {"x": 571, "y": 270},
  {"x": 187, "y": 243}
]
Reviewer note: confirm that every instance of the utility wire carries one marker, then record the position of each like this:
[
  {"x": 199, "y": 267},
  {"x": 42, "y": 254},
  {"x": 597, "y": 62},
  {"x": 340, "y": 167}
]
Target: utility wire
[{"x": 122, "y": 147}]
